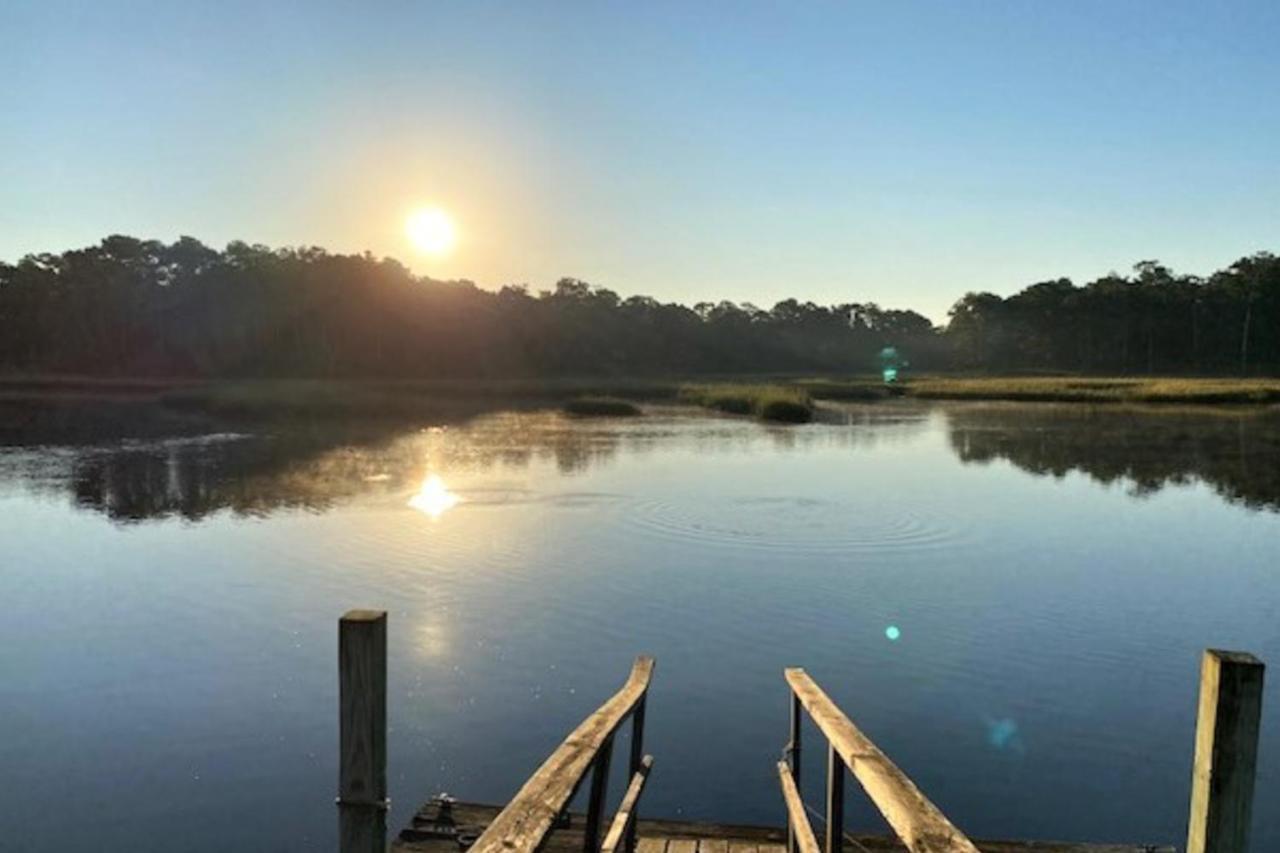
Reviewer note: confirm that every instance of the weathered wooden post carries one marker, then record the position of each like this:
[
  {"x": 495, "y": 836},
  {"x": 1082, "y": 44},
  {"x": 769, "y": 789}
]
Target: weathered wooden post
[
  {"x": 793, "y": 759},
  {"x": 835, "y": 800},
  {"x": 1226, "y": 752},
  {"x": 637, "y": 764},
  {"x": 595, "y": 801},
  {"x": 362, "y": 728}
]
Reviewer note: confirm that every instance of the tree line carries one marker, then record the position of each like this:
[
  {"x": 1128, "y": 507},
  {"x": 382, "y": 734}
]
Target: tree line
[
  {"x": 131, "y": 307},
  {"x": 1153, "y": 321}
]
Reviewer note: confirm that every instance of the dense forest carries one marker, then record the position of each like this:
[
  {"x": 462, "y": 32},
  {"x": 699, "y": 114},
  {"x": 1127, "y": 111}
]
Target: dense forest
[
  {"x": 130, "y": 307},
  {"x": 1154, "y": 321}
]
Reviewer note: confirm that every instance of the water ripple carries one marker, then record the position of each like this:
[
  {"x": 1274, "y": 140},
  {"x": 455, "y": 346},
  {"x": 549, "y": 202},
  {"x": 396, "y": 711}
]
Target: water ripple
[{"x": 796, "y": 525}]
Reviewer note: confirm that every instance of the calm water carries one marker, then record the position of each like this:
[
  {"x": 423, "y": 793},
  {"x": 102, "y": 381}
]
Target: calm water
[{"x": 168, "y": 646}]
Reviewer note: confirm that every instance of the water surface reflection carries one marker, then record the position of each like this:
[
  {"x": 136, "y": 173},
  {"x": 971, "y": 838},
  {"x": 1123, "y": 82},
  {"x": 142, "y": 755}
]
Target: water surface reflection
[
  {"x": 254, "y": 473},
  {"x": 1010, "y": 599},
  {"x": 1234, "y": 451},
  {"x": 434, "y": 498}
]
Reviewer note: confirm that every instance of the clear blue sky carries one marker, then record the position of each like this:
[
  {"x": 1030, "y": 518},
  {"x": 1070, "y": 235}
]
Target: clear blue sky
[{"x": 897, "y": 152}]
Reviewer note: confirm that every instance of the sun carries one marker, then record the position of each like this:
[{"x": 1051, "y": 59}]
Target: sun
[
  {"x": 434, "y": 498},
  {"x": 431, "y": 230}
]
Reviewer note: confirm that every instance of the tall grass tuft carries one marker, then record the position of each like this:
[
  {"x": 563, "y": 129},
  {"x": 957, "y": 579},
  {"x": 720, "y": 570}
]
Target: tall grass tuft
[
  {"x": 610, "y": 407},
  {"x": 781, "y": 403}
]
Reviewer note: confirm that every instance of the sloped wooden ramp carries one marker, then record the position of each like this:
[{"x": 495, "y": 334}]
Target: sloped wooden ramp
[{"x": 537, "y": 819}]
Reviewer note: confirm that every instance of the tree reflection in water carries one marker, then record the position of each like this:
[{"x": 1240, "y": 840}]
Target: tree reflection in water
[
  {"x": 1234, "y": 451},
  {"x": 254, "y": 471}
]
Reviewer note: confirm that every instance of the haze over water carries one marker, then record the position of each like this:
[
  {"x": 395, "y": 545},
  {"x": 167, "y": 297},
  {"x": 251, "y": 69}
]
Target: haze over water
[{"x": 1052, "y": 574}]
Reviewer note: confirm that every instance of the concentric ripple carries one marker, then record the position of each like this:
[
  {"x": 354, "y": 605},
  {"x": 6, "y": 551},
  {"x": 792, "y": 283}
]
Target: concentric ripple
[{"x": 796, "y": 525}]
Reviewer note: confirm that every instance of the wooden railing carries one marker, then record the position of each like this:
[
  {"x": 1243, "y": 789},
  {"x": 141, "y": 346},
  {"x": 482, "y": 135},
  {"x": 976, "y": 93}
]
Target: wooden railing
[
  {"x": 918, "y": 823},
  {"x": 801, "y": 832},
  {"x": 622, "y": 832},
  {"x": 530, "y": 816},
  {"x": 1221, "y": 798}
]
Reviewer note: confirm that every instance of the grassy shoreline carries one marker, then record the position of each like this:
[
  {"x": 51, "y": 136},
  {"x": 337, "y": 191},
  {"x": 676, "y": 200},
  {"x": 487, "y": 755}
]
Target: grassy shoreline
[
  {"x": 782, "y": 403},
  {"x": 780, "y": 398},
  {"x": 1093, "y": 389}
]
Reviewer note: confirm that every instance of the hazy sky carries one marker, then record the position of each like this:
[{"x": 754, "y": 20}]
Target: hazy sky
[{"x": 889, "y": 151}]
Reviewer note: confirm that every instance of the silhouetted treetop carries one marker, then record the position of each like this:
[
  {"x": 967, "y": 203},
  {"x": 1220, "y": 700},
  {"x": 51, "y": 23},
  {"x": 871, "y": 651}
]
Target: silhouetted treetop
[
  {"x": 145, "y": 308},
  {"x": 141, "y": 307}
]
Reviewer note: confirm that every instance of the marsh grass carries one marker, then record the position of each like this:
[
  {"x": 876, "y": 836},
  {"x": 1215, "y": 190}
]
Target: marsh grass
[
  {"x": 396, "y": 398},
  {"x": 781, "y": 398},
  {"x": 786, "y": 411},
  {"x": 857, "y": 389},
  {"x": 290, "y": 398},
  {"x": 781, "y": 403},
  {"x": 611, "y": 407},
  {"x": 1068, "y": 389}
]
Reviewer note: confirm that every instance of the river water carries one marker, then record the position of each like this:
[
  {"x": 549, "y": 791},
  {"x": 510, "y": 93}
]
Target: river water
[{"x": 1011, "y": 600}]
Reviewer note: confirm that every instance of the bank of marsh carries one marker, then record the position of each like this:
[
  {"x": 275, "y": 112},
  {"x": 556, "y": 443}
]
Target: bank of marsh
[{"x": 783, "y": 403}]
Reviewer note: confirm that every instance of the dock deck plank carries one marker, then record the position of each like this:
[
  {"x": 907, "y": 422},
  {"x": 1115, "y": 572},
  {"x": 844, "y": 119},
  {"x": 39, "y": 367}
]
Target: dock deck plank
[{"x": 669, "y": 836}]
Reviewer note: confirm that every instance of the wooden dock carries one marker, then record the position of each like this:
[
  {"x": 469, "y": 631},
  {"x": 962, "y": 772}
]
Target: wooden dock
[
  {"x": 538, "y": 820},
  {"x": 426, "y": 834}
]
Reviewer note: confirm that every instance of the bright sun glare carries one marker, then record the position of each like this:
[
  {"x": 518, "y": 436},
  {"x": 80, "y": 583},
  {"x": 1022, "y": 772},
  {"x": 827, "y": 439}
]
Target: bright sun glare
[
  {"x": 431, "y": 230},
  {"x": 434, "y": 498}
]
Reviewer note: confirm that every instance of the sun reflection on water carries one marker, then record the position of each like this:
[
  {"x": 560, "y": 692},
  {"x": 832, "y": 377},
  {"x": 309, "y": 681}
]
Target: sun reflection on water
[
  {"x": 433, "y": 640},
  {"x": 434, "y": 498}
]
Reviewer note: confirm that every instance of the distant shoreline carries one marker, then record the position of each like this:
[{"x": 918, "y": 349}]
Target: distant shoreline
[{"x": 412, "y": 395}]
